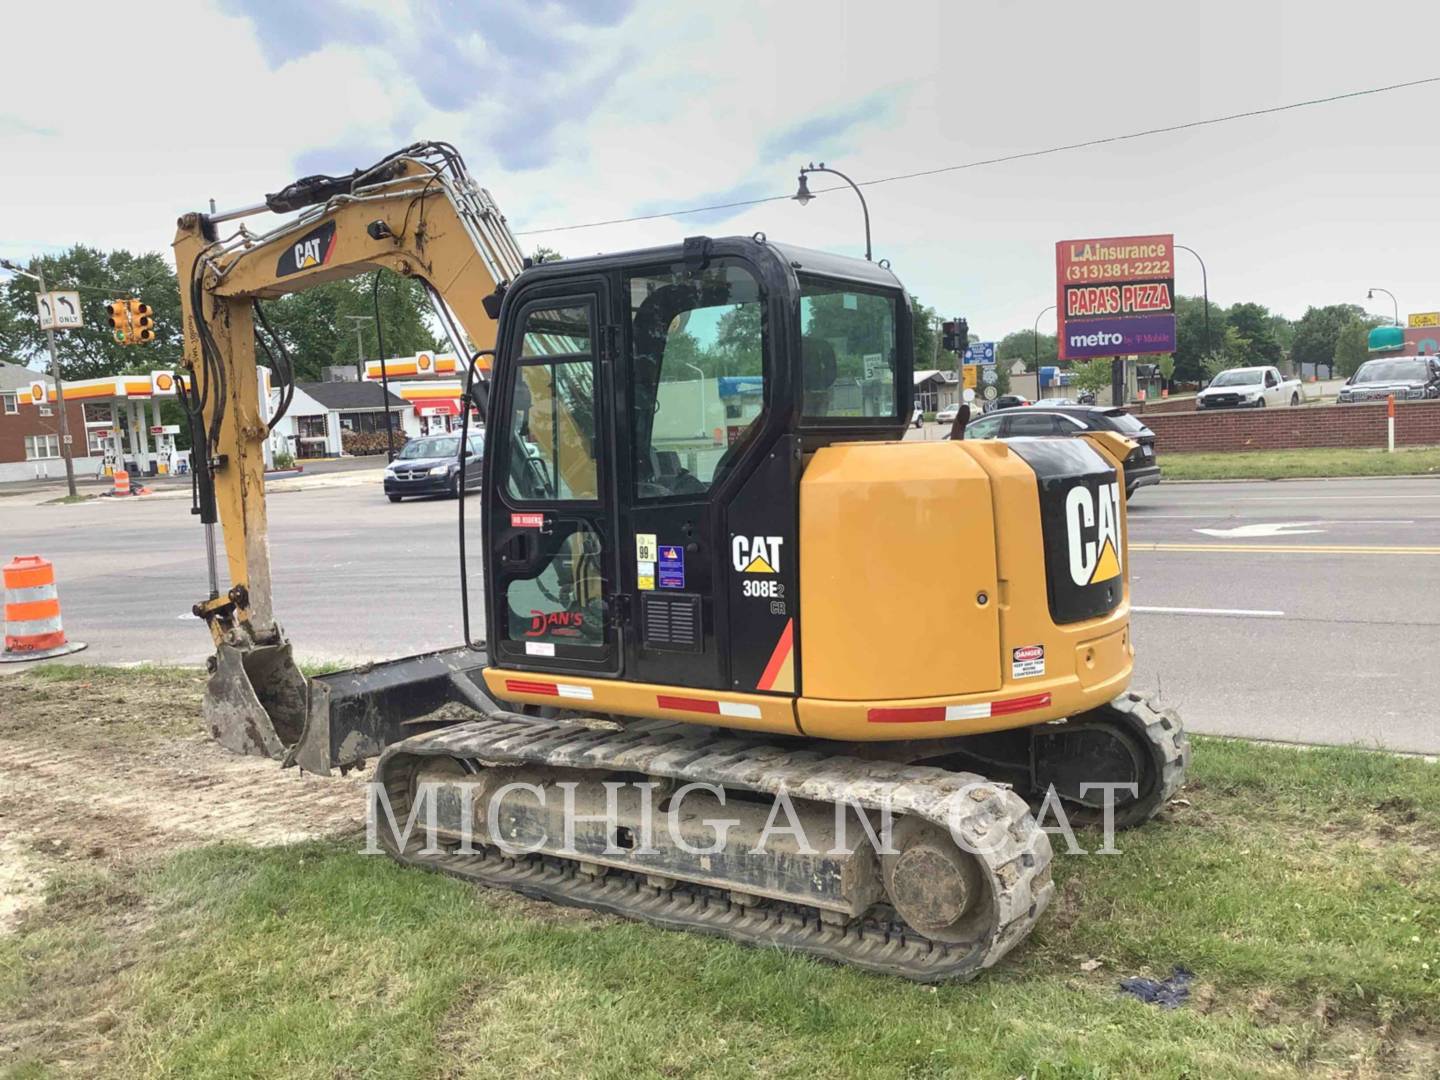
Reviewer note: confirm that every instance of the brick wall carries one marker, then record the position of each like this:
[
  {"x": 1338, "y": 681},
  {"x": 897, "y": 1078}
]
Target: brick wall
[
  {"x": 28, "y": 421},
  {"x": 1417, "y": 423},
  {"x": 1164, "y": 405}
]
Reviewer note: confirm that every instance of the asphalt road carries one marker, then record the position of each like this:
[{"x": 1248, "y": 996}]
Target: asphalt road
[{"x": 1317, "y": 622}]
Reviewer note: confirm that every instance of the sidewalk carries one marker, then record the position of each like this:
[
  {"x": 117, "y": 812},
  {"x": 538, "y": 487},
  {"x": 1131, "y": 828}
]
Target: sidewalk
[{"x": 337, "y": 472}]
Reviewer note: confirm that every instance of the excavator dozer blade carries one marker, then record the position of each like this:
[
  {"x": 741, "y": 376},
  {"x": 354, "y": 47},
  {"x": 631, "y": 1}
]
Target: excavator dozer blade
[
  {"x": 255, "y": 701},
  {"x": 258, "y": 703},
  {"x": 355, "y": 714}
]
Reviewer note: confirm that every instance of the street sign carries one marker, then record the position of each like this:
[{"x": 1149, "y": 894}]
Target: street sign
[
  {"x": 989, "y": 376},
  {"x": 1115, "y": 296},
  {"x": 990, "y": 393},
  {"x": 969, "y": 383},
  {"x": 981, "y": 352},
  {"x": 59, "y": 310},
  {"x": 67, "y": 310}
]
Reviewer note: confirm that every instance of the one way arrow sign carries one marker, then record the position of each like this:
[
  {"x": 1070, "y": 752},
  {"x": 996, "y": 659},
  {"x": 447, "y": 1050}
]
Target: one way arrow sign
[{"x": 1268, "y": 528}]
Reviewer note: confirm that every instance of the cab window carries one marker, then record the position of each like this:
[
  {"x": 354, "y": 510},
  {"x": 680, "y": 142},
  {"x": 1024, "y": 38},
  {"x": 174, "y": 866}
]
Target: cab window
[
  {"x": 697, "y": 360},
  {"x": 848, "y": 350},
  {"x": 553, "y": 456}
]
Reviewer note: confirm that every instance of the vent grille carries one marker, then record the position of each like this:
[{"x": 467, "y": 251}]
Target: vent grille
[{"x": 671, "y": 622}]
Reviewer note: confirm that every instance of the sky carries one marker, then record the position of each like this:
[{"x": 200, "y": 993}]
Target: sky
[{"x": 576, "y": 111}]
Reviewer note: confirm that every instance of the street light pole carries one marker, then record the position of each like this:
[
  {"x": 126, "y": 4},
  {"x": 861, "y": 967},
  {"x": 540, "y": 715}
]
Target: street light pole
[
  {"x": 65, "y": 451},
  {"x": 1370, "y": 295},
  {"x": 1035, "y": 338},
  {"x": 803, "y": 196},
  {"x": 1204, "y": 290}
]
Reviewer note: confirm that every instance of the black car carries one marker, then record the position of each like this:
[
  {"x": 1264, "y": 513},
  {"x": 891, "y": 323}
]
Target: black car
[
  {"x": 1141, "y": 468},
  {"x": 431, "y": 466},
  {"x": 1407, "y": 377}
]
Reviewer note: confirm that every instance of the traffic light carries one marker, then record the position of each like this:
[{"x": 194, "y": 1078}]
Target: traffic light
[
  {"x": 119, "y": 314},
  {"x": 142, "y": 322},
  {"x": 955, "y": 335}
]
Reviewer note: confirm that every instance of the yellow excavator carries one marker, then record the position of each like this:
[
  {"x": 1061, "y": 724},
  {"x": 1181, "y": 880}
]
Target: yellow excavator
[{"x": 717, "y": 585}]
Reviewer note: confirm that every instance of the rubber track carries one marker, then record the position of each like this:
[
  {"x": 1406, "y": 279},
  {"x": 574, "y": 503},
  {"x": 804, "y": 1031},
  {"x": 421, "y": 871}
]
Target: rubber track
[
  {"x": 995, "y": 821},
  {"x": 1164, "y": 736}
]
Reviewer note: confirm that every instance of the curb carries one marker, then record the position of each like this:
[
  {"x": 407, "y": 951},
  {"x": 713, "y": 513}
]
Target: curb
[{"x": 1307, "y": 479}]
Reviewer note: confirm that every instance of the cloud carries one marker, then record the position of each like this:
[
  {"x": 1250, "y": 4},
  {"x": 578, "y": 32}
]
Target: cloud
[
  {"x": 743, "y": 192},
  {"x": 525, "y": 70},
  {"x": 816, "y": 136}
]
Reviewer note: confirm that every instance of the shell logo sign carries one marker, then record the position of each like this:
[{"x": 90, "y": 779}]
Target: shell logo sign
[
  {"x": 37, "y": 393},
  {"x": 422, "y": 361},
  {"x": 163, "y": 382}
]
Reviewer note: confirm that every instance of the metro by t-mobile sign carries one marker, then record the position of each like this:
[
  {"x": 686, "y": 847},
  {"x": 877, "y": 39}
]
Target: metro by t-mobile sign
[{"x": 1115, "y": 296}]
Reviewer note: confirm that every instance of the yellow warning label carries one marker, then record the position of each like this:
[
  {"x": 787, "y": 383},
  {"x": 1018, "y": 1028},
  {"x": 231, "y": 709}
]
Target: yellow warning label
[
  {"x": 758, "y": 565},
  {"x": 1107, "y": 566}
]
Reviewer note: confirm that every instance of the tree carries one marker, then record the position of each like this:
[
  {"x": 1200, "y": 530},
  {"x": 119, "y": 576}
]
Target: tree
[
  {"x": 1022, "y": 345},
  {"x": 316, "y": 331},
  {"x": 543, "y": 254},
  {"x": 924, "y": 331},
  {"x": 91, "y": 351},
  {"x": 1093, "y": 375},
  {"x": 1190, "y": 343},
  {"x": 1318, "y": 332},
  {"x": 1352, "y": 346},
  {"x": 1255, "y": 342}
]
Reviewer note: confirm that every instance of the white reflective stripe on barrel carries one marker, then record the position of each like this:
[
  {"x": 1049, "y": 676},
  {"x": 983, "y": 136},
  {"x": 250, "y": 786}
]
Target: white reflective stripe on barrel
[
  {"x": 30, "y": 595},
  {"x": 33, "y": 627}
]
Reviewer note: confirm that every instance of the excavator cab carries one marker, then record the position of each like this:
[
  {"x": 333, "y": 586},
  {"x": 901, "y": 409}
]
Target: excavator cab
[{"x": 649, "y": 418}]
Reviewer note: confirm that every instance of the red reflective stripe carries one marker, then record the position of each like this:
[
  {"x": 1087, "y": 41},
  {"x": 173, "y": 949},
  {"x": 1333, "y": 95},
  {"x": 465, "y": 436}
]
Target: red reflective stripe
[
  {"x": 928, "y": 715},
  {"x": 687, "y": 704},
  {"x": 1018, "y": 704},
  {"x": 523, "y": 686}
]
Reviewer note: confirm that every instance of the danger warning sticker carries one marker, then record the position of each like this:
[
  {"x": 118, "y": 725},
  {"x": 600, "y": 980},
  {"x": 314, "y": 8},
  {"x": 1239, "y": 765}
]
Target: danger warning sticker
[{"x": 1026, "y": 661}]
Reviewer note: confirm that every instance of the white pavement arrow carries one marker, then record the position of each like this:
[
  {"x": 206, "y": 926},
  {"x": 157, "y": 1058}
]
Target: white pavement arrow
[{"x": 1266, "y": 528}]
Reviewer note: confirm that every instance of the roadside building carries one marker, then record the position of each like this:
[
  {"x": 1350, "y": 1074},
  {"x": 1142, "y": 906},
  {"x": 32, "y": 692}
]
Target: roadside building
[
  {"x": 936, "y": 389},
  {"x": 30, "y": 433},
  {"x": 322, "y": 414}
]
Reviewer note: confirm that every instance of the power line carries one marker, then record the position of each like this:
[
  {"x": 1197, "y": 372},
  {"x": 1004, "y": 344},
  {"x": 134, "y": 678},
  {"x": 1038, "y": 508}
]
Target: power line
[{"x": 1169, "y": 128}]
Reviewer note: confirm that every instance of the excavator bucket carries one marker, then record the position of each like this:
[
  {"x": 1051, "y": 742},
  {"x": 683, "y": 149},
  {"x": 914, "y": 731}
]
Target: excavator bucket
[{"x": 257, "y": 702}]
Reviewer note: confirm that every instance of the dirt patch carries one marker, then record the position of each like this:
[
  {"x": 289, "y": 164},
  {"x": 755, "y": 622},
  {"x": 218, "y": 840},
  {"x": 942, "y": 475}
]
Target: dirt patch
[{"x": 115, "y": 767}]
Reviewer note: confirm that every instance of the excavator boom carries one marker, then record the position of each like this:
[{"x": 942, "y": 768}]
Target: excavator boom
[{"x": 417, "y": 213}]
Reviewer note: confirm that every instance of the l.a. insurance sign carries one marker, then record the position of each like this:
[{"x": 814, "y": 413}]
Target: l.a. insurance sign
[{"x": 1115, "y": 296}]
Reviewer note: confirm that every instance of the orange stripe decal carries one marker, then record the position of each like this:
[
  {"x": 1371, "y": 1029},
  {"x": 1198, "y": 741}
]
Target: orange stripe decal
[
  {"x": 34, "y": 609},
  {"x": 780, "y": 662}
]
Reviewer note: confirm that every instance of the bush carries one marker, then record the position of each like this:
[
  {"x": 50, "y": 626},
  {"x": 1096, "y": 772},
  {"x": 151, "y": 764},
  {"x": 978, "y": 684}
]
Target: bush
[
  {"x": 284, "y": 460},
  {"x": 368, "y": 442}
]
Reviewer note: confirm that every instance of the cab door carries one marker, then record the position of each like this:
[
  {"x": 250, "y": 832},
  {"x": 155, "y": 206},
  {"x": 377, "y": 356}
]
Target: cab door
[{"x": 550, "y": 494}]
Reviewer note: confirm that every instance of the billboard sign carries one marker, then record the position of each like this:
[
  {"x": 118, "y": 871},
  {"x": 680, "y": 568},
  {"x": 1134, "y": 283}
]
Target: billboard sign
[
  {"x": 1424, "y": 318},
  {"x": 1115, "y": 296}
]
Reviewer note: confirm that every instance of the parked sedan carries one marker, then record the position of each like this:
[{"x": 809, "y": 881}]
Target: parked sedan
[
  {"x": 431, "y": 466},
  {"x": 1407, "y": 377},
  {"x": 1141, "y": 468},
  {"x": 948, "y": 413}
]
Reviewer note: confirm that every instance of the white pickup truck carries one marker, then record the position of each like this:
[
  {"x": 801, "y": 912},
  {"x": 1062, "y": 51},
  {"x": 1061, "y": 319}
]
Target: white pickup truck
[{"x": 1249, "y": 388}]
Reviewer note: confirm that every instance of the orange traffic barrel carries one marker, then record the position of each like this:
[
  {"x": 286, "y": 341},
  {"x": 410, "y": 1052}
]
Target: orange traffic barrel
[
  {"x": 122, "y": 482},
  {"x": 32, "y": 612}
]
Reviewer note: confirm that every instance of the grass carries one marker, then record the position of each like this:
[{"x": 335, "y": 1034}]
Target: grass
[
  {"x": 1302, "y": 888},
  {"x": 1280, "y": 464}
]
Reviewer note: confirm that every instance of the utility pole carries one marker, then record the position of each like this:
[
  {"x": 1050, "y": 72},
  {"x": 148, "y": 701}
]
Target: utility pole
[
  {"x": 65, "y": 452},
  {"x": 360, "y": 321}
]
